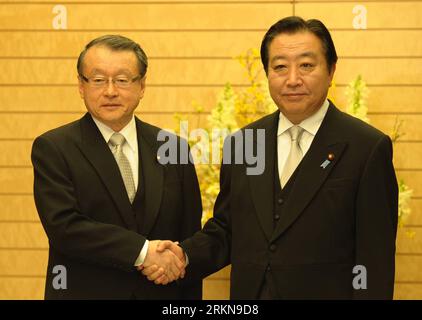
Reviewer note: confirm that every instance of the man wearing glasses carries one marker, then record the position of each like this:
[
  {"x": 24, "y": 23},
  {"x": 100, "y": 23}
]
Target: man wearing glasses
[{"x": 102, "y": 195}]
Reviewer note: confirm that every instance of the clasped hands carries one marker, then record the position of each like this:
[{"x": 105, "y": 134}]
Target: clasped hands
[{"x": 164, "y": 263}]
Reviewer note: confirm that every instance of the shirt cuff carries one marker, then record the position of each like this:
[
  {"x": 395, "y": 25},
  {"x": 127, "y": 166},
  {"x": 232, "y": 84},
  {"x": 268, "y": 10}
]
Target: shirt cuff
[
  {"x": 187, "y": 260},
  {"x": 141, "y": 258}
]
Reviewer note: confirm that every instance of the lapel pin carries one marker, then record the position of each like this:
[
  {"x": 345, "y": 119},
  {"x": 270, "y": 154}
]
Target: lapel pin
[
  {"x": 325, "y": 164},
  {"x": 327, "y": 161}
]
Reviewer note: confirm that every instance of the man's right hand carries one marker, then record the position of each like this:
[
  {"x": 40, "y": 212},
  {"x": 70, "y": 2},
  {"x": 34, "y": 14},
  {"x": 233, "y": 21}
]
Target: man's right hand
[
  {"x": 163, "y": 265},
  {"x": 163, "y": 274}
]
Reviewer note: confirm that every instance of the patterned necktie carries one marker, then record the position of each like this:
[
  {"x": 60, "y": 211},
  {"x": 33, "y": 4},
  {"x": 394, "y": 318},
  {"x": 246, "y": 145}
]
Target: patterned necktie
[
  {"x": 117, "y": 141},
  {"x": 295, "y": 155}
]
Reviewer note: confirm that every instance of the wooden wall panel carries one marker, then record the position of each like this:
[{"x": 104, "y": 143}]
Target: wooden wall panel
[
  {"x": 16, "y": 181},
  {"x": 208, "y": 43},
  {"x": 146, "y": 16},
  {"x": 386, "y": 99},
  {"x": 215, "y": 289},
  {"x": 407, "y": 244},
  {"x": 413, "y": 178},
  {"x": 29, "y": 262},
  {"x": 415, "y": 219},
  {"x": 162, "y": 1},
  {"x": 408, "y": 268},
  {"x": 18, "y": 208},
  {"x": 408, "y": 290},
  {"x": 373, "y": 43},
  {"x": 380, "y": 15},
  {"x": 411, "y": 124},
  {"x": 375, "y": 71},
  {"x": 22, "y": 235},
  {"x": 20, "y": 155},
  {"x": 215, "y": 286},
  {"x": 28, "y": 126},
  {"x": 403, "y": 14},
  {"x": 401, "y": 155},
  {"x": 22, "y": 288},
  {"x": 155, "y": 43}
]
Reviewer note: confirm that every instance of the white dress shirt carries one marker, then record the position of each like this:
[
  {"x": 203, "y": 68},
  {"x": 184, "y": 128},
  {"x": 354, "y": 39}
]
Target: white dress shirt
[
  {"x": 310, "y": 126},
  {"x": 130, "y": 150}
]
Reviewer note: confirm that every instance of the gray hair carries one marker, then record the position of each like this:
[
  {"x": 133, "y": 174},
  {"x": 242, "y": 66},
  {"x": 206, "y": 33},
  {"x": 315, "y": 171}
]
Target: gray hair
[{"x": 117, "y": 43}]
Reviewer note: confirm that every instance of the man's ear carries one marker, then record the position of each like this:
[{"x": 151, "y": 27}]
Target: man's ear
[
  {"x": 333, "y": 69},
  {"x": 80, "y": 87},
  {"x": 143, "y": 85}
]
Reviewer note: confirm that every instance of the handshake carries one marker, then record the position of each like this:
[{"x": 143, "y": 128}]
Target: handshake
[{"x": 164, "y": 263}]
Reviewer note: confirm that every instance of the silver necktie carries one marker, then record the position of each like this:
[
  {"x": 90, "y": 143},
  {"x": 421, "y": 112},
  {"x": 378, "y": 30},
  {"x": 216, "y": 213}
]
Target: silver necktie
[
  {"x": 295, "y": 155},
  {"x": 117, "y": 141}
]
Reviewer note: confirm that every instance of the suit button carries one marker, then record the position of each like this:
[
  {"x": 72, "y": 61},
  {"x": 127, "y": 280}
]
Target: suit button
[
  {"x": 273, "y": 247},
  {"x": 276, "y": 217},
  {"x": 280, "y": 201},
  {"x": 268, "y": 268}
]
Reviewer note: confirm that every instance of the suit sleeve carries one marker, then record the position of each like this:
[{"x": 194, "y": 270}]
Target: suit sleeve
[
  {"x": 209, "y": 249},
  {"x": 192, "y": 214},
  {"x": 69, "y": 231},
  {"x": 376, "y": 223},
  {"x": 192, "y": 203}
]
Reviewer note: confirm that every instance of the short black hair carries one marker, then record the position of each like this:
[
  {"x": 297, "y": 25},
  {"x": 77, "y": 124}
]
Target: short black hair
[
  {"x": 296, "y": 24},
  {"x": 116, "y": 43}
]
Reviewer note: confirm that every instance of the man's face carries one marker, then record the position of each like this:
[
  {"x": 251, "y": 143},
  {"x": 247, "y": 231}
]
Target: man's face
[
  {"x": 298, "y": 75},
  {"x": 111, "y": 105}
]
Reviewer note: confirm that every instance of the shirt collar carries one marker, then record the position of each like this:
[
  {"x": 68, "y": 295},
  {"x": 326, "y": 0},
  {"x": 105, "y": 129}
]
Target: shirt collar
[
  {"x": 310, "y": 124},
  {"x": 129, "y": 132}
]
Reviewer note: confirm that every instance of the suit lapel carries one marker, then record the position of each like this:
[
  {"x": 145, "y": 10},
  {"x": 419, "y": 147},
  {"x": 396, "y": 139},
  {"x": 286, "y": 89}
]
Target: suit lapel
[
  {"x": 153, "y": 174},
  {"x": 262, "y": 186},
  {"x": 97, "y": 152},
  {"x": 311, "y": 174}
]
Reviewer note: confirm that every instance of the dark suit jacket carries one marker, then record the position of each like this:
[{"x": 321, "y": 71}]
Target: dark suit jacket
[
  {"x": 93, "y": 230},
  {"x": 334, "y": 218}
]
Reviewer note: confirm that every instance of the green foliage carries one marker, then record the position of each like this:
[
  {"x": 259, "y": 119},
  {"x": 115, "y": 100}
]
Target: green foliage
[{"x": 357, "y": 93}]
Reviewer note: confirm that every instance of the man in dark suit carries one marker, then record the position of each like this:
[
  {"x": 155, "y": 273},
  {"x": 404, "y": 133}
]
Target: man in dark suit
[
  {"x": 320, "y": 221},
  {"x": 102, "y": 194}
]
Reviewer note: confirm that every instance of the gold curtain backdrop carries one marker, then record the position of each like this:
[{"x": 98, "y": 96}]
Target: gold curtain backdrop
[{"x": 191, "y": 46}]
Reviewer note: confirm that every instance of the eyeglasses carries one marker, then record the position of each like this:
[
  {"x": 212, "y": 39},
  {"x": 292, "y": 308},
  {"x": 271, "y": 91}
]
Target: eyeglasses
[{"x": 102, "y": 81}]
